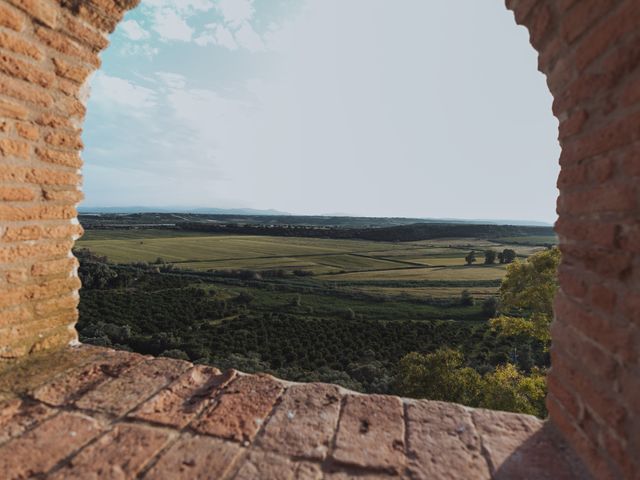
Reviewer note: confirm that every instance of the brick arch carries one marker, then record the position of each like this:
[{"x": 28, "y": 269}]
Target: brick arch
[{"x": 589, "y": 51}]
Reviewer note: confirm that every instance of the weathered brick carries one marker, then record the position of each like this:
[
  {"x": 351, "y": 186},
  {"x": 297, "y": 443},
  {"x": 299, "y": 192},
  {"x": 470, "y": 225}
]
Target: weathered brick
[
  {"x": 66, "y": 388},
  {"x": 177, "y": 404},
  {"x": 240, "y": 411},
  {"x": 17, "y": 194},
  {"x": 78, "y": 30},
  {"x": 585, "y": 13},
  {"x": 304, "y": 423},
  {"x": 25, "y": 71},
  {"x": 51, "y": 267},
  {"x": 62, "y": 195},
  {"x": 10, "y": 18},
  {"x": 54, "y": 121},
  {"x": 121, "y": 453},
  {"x": 17, "y": 415},
  {"x": 269, "y": 466},
  {"x": 27, "y": 130},
  {"x": 442, "y": 439},
  {"x": 14, "y": 148},
  {"x": 16, "y": 44},
  {"x": 64, "y": 139},
  {"x": 573, "y": 124},
  {"x": 40, "y": 449},
  {"x": 23, "y": 91},
  {"x": 133, "y": 387},
  {"x": 68, "y": 159},
  {"x": 372, "y": 423},
  {"x": 196, "y": 458},
  {"x": 77, "y": 73},
  {"x": 34, "y": 252},
  {"x": 65, "y": 45},
  {"x": 43, "y": 11},
  {"x": 37, "y": 212}
]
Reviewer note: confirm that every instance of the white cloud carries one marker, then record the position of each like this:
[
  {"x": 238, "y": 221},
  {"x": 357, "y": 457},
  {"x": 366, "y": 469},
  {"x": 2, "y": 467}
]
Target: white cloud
[
  {"x": 115, "y": 93},
  {"x": 172, "y": 80},
  {"x": 133, "y": 30},
  {"x": 236, "y": 12},
  {"x": 181, "y": 6},
  {"x": 170, "y": 25},
  {"x": 217, "y": 35},
  {"x": 143, "y": 50},
  {"x": 247, "y": 37}
]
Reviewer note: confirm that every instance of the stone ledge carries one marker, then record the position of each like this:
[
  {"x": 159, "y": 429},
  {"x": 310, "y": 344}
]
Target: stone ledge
[{"x": 89, "y": 412}]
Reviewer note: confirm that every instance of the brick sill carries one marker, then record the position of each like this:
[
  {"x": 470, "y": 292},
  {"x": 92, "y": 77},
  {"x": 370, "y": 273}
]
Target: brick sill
[{"x": 93, "y": 412}]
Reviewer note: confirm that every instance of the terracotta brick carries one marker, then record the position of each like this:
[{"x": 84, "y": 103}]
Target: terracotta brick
[
  {"x": 242, "y": 408},
  {"x": 64, "y": 139},
  {"x": 195, "y": 458},
  {"x": 76, "y": 73},
  {"x": 372, "y": 423},
  {"x": 13, "y": 315},
  {"x": 442, "y": 439},
  {"x": 54, "y": 121},
  {"x": 269, "y": 466},
  {"x": 573, "y": 124},
  {"x": 23, "y": 91},
  {"x": 17, "y": 415},
  {"x": 17, "y": 194},
  {"x": 582, "y": 16},
  {"x": 25, "y": 71},
  {"x": 40, "y": 449},
  {"x": 56, "y": 306},
  {"x": 78, "y": 30},
  {"x": 37, "y": 212},
  {"x": 121, "y": 453},
  {"x": 304, "y": 423},
  {"x": 72, "y": 107},
  {"x": 62, "y": 195},
  {"x": 65, "y": 45},
  {"x": 11, "y": 110},
  {"x": 68, "y": 159},
  {"x": 27, "y": 130},
  {"x": 64, "y": 389},
  {"x": 16, "y": 44},
  {"x": 133, "y": 387},
  {"x": 14, "y": 148},
  {"x": 43, "y": 11},
  {"x": 177, "y": 404},
  {"x": 11, "y": 19},
  {"x": 37, "y": 232}
]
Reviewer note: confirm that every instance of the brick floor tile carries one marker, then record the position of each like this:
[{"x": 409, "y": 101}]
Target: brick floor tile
[
  {"x": 502, "y": 432},
  {"x": 121, "y": 453},
  {"x": 133, "y": 387},
  {"x": 67, "y": 387},
  {"x": 270, "y": 466},
  {"x": 17, "y": 415},
  {"x": 443, "y": 441},
  {"x": 177, "y": 404},
  {"x": 40, "y": 449},
  {"x": 371, "y": 432},
  {"x": 195, "y": 458},
  {"x": 305, "y": 421},
  {"x": 241, "y": 409}
]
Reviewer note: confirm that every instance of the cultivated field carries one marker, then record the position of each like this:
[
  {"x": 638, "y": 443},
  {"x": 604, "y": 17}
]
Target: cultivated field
[{"x": 386, "y": 268}]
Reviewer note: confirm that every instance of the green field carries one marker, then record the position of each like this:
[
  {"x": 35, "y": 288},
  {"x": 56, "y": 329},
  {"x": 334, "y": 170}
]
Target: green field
[{"x": 340, "y": 262}]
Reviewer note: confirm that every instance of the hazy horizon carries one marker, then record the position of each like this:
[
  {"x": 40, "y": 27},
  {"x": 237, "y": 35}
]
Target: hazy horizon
[{"x": 406, "y": 109}]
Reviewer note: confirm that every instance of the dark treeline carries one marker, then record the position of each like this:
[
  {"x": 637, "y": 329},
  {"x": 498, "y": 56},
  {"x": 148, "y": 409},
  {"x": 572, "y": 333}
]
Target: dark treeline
[{"x": 402, "y": 233}]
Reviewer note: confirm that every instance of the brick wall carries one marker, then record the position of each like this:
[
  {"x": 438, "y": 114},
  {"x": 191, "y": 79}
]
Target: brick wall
[
  {"x": 590, "y": 52},
  {"x": 48, "y": 49}
]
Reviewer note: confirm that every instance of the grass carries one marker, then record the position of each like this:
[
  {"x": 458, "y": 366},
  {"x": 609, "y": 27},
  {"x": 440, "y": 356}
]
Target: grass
[{"x": 348, "y": 264}]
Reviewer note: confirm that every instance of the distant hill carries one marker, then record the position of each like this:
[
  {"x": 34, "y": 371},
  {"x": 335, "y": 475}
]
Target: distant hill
[
  {"x": 327, "y": 219},
  {"x": 194, "y": 210}
]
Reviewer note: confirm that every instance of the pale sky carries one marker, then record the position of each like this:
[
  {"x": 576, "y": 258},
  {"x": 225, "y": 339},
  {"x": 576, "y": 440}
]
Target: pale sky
[{"x": 418, "y": 108}]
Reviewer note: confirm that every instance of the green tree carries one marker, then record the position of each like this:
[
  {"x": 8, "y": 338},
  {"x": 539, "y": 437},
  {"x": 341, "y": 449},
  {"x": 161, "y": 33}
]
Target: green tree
[
  {"x": 507, "y": 256},
  {"x": 470, "y": 258},
  {"x": 490, "y": 257},
  {"x": 441, "y": 375},
  {"x": 526, "y": 296},
  {"x": 506, "y": 388},
  {"x": 466, "y": 298}
]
